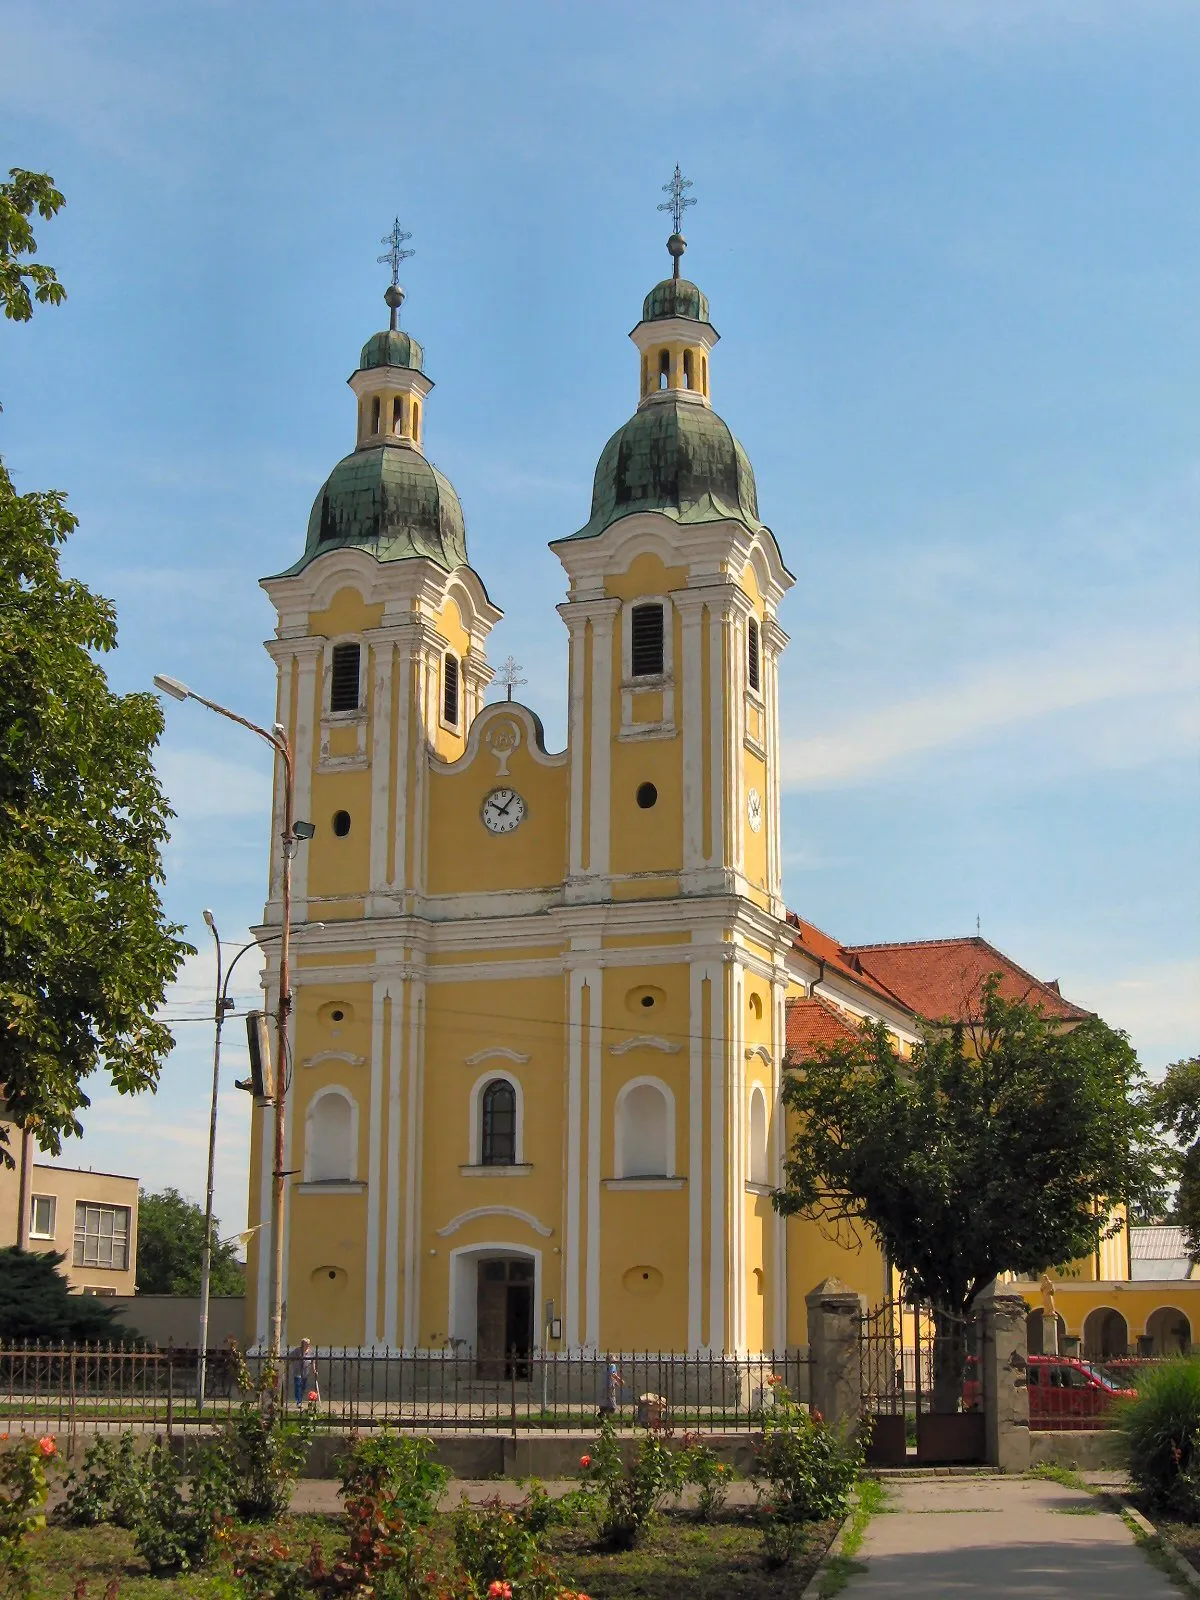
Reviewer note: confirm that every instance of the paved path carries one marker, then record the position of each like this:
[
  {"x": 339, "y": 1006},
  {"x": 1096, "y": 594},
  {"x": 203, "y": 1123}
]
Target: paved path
[{"x": 1001, "y": 1539}]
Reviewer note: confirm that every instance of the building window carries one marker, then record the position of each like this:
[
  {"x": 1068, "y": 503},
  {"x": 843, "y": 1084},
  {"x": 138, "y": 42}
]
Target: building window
[
  {"x": 41, "y": 1216},
  {"x": 375, "y": 416},
  {"x": 398, "y": 414},
  {"x": 687, "y": 370},
  {"x": 343, "y": 677},
  {"x": 329, "y": 1138},
  {"x": 101, "y": 1236},
  {"x": 664, "y": 368},
  {"x": 646, "y": 641},
  {"x": 645, "y": 1131},
  {"x": 499, "y": 1125},
  {"x": 450, "y": 690},
  {"x": 416, "y": 422},
  {"x": 704, "y": 374},
  {"x": 753, "y": 656},
  {"x": 759, "y": 1168}
]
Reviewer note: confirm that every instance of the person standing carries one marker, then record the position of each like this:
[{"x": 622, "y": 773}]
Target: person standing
[
  {"x": 611, "y": 1384},
  {"x": 305, "y": 1384}
]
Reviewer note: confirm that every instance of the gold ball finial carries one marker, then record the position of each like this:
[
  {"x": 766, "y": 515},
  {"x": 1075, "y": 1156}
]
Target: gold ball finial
[{"x": 676, "y": 244}]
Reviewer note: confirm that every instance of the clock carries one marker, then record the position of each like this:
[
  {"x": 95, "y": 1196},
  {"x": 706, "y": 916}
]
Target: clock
[
  {"x": 754, "y": 809},
  {"x": 502, "y": 810}
]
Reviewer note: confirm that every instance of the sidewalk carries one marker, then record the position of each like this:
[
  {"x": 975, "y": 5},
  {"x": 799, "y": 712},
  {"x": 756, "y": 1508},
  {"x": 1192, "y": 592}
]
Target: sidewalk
[{"x": 1000, "y": 1538}]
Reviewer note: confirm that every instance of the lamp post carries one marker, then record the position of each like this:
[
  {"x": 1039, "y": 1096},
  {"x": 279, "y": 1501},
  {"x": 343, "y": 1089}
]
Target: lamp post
[
  {"x": 277, "y": 738},
  {"x": 223, "y": 1005}
]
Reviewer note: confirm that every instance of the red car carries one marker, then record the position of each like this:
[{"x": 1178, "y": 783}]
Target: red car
[{"x": 1063, "y": 1391}]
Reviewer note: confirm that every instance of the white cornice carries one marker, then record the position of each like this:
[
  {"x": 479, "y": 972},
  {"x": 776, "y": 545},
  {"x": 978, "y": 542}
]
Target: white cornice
[
  {"x": 496, "y": 1052},
  {"x": 475, "y": 1212},
  {"x": 341, "y": 1056},
  {"x": 645, "y": 1041}
]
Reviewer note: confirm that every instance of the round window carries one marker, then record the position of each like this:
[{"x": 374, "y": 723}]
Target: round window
[
  {"x": 647, "y": 795},
  {"x": 341, "y": 823}
]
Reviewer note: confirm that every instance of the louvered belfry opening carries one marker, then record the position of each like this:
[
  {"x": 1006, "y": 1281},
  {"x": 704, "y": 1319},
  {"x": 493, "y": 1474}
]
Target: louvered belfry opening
[
  {"x": 343, "y": 685},
  {"x": 753, "y": 669},
  {"x": 646, "y": 649},
  {"x": 450, "y": 690}
]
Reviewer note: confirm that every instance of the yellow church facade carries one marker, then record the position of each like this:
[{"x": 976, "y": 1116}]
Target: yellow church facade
[{"x": 537, "y": 1041}]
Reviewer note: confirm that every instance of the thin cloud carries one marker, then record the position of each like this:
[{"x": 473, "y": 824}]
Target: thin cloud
[
  {"x": 1004, "y": 696},
  {"x": 202, "y": 786}
]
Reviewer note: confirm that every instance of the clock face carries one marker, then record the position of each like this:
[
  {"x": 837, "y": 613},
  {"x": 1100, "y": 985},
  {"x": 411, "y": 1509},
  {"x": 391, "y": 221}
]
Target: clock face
[
  {"x": 502, "y": 811},
  {"x": 754, "y": 809}
]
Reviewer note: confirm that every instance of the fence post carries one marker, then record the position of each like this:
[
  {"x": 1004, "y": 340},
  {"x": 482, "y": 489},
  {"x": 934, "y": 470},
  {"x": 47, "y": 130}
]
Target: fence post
[
  {"x": 835, "y": 1315},
  {"x": 1003, "y": 1361}
]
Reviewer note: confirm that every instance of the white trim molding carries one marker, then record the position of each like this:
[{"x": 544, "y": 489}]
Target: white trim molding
[
  {"x": 331, "y": 1186},
  {"x": 644, "y": 1183},
  {"x": 475, "y": 1212},
  {"x": 498, "y": 1052},
  {"x": 761, "y": 1051},
  {"x": 645, "y": 1041},
  {"x": 343, "y": 1057}
]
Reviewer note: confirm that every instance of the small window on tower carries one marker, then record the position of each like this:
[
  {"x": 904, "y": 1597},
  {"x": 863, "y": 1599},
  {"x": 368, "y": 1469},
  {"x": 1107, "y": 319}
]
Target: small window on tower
[
  {"x": 687, "y": 370},
  {"x": 416, "y": 423},
  {"x": 664, "y": 368},
  {"x": 450, "y": 689},
  {"x": 704, "y": 374},
  {"x": 753, "y": 663},
  {"x": 398, "y": 415},
  {"x": 375, "y": 416},
  {"x": 343, "y": 678},
  {"x": 646, "y": 642}
]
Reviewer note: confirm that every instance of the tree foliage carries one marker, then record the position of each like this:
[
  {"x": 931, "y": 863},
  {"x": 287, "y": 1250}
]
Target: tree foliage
[
  {"x": 170, "y": 1246},
  {"x": 36, "y": 1304},
  {"x": 26, "y": 193},
  {"x": 1003, "y": 1149},
  {"x": 1176, "y": 1105},
  {"x": 85, "y": 954}
]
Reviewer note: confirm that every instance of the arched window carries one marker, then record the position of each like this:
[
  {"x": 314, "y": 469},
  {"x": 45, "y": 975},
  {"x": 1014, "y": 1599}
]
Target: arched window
[
  {"x": 398, "y": 414},
  {"x": 753, "y": 656},
  {"x": 498, "y": 1124},
  {"x": 758, "y": 1164},
  {"x": 645, "y": 1142},
  {"x": 664, "y": 368},
  {"x": 704, "y": 374},
  {"x": 450, "y": 689},
  {"x": 344, "y": 666},
  {"x": 687, "y": 370},
  {"x": 329, "y": 1138},
  {"x": 416, "y": 422},
  {"x": 375, "y": 415}
]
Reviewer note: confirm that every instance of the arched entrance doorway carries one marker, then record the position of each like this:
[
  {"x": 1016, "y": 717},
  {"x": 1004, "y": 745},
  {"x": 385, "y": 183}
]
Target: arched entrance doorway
[
  {"x": 1170, "y": 1331},
  {"x": 1037, "y": 1333},
  {"x": 494, "y": 1291},
  {"x": 1105, "y": 1334}
]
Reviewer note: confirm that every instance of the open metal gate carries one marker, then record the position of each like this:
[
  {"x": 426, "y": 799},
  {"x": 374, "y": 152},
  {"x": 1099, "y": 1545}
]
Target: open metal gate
[{"x": 900, "y": 1356}]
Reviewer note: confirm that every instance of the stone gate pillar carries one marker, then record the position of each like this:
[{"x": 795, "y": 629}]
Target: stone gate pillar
[
  {"x": 835, "y": 1314},
  {"x": 1003, "y": 1364}
]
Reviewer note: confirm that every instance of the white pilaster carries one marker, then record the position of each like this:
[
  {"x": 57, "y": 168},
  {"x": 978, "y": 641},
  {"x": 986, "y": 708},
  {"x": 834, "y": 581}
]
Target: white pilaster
[
  {"x": 777, "y": 1153},
  {"x": 696, "y": 975},
  {"x": 718, "y": 1178},
  {"x": 595, "y": 1123},
  {"x": 382, "y": 653},
  {"x": 603, "y": 615},
  {"x": 412, "y": 1178},
  {"x": 379, "y": 992},
  {"x": 690, "y": 605},
  {"x": 304, "y": 745},
  {"x": 391, "y": 1246},
  {"x": 574, "y": 1173}
]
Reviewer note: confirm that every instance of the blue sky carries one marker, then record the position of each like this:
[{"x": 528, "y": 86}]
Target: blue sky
[{"x": 953, "y": 250}]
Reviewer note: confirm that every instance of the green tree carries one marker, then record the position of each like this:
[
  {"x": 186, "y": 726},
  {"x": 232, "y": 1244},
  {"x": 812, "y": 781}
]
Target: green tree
[
  {"x": 36, "y": 1304},
  {"x": 995, "y": 1149},
  {"x": 170, "y": 1245},
  {"x": 85, "y": 952},
  {"x": 1176, "y": 1105},
  {"x": 26, "y": 193}
]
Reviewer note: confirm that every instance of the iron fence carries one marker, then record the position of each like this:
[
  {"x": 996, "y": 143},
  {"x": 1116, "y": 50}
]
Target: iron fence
[{"x": 90, "y": 1388}]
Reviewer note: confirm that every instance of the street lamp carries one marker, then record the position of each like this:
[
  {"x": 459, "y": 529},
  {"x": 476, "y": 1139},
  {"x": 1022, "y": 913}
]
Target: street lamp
[
  {"x": 223, "y": 1005},
  {"x": 277, "y": 738}
]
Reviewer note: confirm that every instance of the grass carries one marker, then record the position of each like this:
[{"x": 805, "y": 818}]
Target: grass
[
  {"x": 1048, "y": 1472},
  {"x": 678, "y": 1557}
]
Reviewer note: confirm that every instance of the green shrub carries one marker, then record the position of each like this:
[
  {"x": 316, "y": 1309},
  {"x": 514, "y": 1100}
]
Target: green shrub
[
  {"x": 805, "y": 1470},
  {"x": 494, "y": 1543},
  {"x": 110, "y": 1486},
  {"x": 397, "y": 1470},
  {"x": 629, "y": 1498},
  {"x": 23, "y": 1491},
  {"x": 263, "y": 1448},
  {"x": 1162, "y": 1434},
  {"x": 174, "y": 1532},
  {"x": 712, "y": 1477}
]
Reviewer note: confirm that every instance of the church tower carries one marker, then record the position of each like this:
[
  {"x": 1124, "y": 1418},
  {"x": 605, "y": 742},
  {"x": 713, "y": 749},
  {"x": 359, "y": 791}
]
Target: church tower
[{"x": 534, "y": 1096}]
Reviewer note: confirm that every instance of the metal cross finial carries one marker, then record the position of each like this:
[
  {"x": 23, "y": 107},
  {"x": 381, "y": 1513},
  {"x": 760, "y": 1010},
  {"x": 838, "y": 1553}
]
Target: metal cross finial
[
  {"x": 679, "y": 202},
  {"x": 395, "y": 254},
  {"x": 507, "y": 676}
]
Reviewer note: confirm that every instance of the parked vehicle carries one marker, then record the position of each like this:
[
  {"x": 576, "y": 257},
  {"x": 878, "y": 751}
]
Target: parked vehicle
[{"x": 1064, "y": 1391}]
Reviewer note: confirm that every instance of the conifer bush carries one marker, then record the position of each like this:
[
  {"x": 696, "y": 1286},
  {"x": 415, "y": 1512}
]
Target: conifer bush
[{"x": 1161, "y": 1428}]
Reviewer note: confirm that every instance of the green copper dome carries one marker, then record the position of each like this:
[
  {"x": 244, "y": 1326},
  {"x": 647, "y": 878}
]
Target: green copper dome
[
  {"x": 675, "y": 297},
  {"x": 391, "y": 348},
  {"x": 678, "y": 458},
  {"x": 389, "y": 501}
]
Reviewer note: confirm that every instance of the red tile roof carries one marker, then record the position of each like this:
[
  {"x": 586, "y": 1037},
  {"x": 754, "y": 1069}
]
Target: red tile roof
[
  {"x": 822, "y": 946},
  {"x": 943, "y": 978},
  {"x": 813, "y": 1022}
]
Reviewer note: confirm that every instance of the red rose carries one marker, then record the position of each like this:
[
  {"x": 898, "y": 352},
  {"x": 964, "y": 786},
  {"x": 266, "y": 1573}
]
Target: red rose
[
  {"x": 585, "y": 1461},
  {"x": 46, "y": 1445}
]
